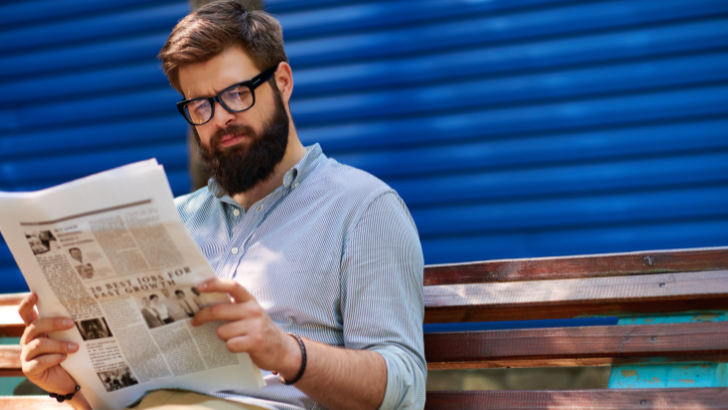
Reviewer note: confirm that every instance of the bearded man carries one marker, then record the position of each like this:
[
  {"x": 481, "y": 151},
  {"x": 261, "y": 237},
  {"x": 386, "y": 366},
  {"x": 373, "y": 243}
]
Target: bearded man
[{"x": 322, "y": 260}]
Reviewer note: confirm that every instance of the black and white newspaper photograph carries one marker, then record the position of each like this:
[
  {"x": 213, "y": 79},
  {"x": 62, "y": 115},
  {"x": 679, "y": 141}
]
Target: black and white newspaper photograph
[
  {"x": 117, "y": 379},
  {"x": 92, "y": 329},
  {"x": 42, "y": 241}
]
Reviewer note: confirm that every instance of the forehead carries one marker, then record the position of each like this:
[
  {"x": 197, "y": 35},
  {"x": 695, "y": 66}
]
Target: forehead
[{"x": 208, "y": 78}]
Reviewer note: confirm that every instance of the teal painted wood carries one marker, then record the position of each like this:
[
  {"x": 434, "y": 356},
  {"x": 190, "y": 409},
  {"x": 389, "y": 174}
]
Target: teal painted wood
[
  {"x": 663, "y": 373},
  {"x": 685, "y": 317},
  {"x": 675, "y": 375}
]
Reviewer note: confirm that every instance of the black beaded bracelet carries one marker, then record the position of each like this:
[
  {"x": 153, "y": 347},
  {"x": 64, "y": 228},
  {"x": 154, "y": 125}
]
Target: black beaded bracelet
[
  {"x": 303, "y": 362},
  {"x": 63, "y": 397}
]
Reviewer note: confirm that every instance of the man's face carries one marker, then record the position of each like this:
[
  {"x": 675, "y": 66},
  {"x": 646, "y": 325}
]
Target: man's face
[
  {"x": 238, "y": 149},
  {"x": 76, "y": 254},
  {"x": 87, "y": 271}
]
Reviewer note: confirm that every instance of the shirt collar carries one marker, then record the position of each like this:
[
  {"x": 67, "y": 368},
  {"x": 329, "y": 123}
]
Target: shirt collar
[{"x": 314, "y": 155}]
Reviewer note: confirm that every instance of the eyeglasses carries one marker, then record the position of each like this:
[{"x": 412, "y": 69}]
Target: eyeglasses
[{"x": 236, "y": 98}]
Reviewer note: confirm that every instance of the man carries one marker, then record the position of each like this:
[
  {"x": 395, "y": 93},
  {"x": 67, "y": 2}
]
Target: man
[
  {"x": 160, "y": 308},
  {"x": 183, "y": 303},
  {"x": 322, "y": 261},
  {"x": 172, "y": 304},
  {"x": 86, "y": 271},
  {"x": 150, "y": 316},
  {"x": 76, "y": 254},
  {"x": 200, "y": 301}
]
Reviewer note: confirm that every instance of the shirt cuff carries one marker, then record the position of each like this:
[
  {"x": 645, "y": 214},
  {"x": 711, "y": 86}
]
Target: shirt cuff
[{"x": 405, "y": 382}]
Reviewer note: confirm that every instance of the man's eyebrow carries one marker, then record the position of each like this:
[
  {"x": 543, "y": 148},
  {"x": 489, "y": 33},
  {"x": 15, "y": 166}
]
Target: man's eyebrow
[{"x": 221, "y": 90}]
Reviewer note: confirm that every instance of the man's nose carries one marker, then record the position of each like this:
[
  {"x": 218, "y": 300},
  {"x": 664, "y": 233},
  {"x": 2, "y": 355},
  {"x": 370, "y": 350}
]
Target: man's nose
[{"x": 222, "y": 117}]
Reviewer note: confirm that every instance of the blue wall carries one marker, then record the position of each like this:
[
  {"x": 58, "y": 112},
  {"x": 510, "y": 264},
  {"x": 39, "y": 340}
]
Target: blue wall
[
  {"x": 81, "y": 91},
  {"x": 525, "y": 128},
  {"x": 514, "y": 128}
]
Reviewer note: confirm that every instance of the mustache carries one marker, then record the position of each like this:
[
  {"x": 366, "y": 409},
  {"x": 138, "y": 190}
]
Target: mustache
[{"x": 236, "y": 129}]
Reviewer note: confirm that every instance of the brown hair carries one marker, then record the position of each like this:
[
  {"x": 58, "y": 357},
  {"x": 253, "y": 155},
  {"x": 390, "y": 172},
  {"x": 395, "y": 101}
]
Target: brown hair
[{"x": 213, "y": 28}]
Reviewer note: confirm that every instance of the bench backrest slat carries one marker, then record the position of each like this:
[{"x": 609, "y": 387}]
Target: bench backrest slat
[
  {"x": 569, "y": 298},
  {"x": 576, "y": 346},
  {"x": 574, "y": 267}
]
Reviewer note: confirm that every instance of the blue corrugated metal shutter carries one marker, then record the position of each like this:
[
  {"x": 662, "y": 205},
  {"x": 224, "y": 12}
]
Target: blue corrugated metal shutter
[
  {"x": 511, "y": 128},
  {"x": 81, "y": 91},
  {"x": 525, "y": 128}
]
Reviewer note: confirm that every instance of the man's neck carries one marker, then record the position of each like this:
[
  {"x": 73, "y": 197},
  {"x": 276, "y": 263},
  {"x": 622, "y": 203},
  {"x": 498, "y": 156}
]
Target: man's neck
[{"x": 294, "y": 152}]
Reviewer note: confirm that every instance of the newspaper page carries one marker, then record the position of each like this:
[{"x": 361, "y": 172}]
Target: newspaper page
[{"x": 111, "y": 252}]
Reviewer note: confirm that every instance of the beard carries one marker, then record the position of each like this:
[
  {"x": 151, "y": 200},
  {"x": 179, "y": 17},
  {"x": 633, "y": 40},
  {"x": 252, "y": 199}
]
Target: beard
[{"x": 241, "y": 167}]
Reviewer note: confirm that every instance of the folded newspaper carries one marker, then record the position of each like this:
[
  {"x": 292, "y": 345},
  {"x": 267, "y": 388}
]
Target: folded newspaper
[{"x": 111, "y": 252}]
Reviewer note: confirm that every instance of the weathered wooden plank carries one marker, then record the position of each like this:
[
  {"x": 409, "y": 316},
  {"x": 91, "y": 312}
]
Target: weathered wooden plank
[
  {"x": 12, "y": 330},
  {"x": 572, "y": 267},
  {"x": 11, "y": 325},
  {"x": 568, "y": 298},
  {"x": 10, "y": 361},
  {"x": 12, "y": 299},
  {"x": 576, "y": 346},
  {"x": 31, "y": 403},
  {"x": 667, "y": 399}
]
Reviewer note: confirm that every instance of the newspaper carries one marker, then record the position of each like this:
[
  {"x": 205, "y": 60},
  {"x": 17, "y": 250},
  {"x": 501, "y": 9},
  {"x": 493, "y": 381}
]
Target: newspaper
[{"x": 111, "y": 252}]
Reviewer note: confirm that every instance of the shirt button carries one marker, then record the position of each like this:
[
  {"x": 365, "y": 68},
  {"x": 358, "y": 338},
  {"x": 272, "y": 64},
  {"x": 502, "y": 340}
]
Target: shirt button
[
  {"x": 234, "y": 251},
  {"x": 295, "y": 185},
  {"x": 236, "y": 212},
  {"x": 260, "y": 208}
]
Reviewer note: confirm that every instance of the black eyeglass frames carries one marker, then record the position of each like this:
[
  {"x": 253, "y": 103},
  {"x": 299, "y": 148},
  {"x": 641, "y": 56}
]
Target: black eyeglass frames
[{"x": 236, "y": 98}]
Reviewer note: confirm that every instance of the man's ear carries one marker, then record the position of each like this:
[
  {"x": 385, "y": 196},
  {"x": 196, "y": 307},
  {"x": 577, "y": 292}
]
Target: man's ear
[{"x": 284, "y": 81}]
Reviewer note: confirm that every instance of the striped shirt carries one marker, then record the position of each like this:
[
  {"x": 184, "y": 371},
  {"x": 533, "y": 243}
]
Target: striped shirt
[{"x": 332, "y": 255}]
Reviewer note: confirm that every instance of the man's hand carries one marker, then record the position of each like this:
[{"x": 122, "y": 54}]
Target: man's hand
[
  {"x": 250, "y": 329},
  {"x": 41, "y": 357}
]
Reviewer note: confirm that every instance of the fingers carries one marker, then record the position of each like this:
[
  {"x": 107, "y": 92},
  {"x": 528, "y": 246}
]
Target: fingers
[
  {"x": 42, "y": 363},
  {"x": 238, "y": 293},
  {"x": 241, "y": 344},
  {"x": 26, "y": 309},
  {"x": 41, "y": 354},
  {"x": 45, "y": 346},
  {"x": 227, "y": 312},
  {"x": 45, "y": 325},
  {"x": 250, "y": 328}
]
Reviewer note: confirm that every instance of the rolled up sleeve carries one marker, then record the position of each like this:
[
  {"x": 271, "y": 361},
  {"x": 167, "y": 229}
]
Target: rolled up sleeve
[{"x": 382, "y": 297}]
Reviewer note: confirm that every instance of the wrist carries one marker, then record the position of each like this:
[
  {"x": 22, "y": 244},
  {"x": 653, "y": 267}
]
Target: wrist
[
  {"x": 79, "y": 402},
  {"x": 293, "y": 359}
]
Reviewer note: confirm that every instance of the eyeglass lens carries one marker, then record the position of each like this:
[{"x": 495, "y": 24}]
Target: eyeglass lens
[{"x": 236, "y": 99}]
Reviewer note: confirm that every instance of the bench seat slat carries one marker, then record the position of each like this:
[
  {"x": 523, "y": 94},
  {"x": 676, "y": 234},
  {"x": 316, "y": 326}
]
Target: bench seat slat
[
  {"x": 574, "y": 267},
  {"x": 11, "y": 325},
  {"x": 31, "y": 403},
  {"x": 615, "y": 399},
  {"x": 576, "y": 346},
  {"x": 10, "y": 361},
  {"x": 569, "y": 298}
]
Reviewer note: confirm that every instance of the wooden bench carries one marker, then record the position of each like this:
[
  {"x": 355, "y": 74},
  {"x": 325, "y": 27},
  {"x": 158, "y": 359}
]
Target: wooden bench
[{"x": 667, "y": 351}]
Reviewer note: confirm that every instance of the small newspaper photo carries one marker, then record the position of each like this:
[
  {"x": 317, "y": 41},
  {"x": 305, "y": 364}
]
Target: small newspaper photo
[{"x": 111, "y": 252}]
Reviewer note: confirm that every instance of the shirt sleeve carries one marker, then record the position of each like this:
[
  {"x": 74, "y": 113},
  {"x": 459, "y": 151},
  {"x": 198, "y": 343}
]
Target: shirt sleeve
[{"x": 382, "y": 297}]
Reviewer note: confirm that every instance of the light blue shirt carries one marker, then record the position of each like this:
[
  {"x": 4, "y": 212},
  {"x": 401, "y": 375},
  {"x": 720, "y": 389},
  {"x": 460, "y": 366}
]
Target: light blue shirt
[{"x": 332, "y": 255}]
